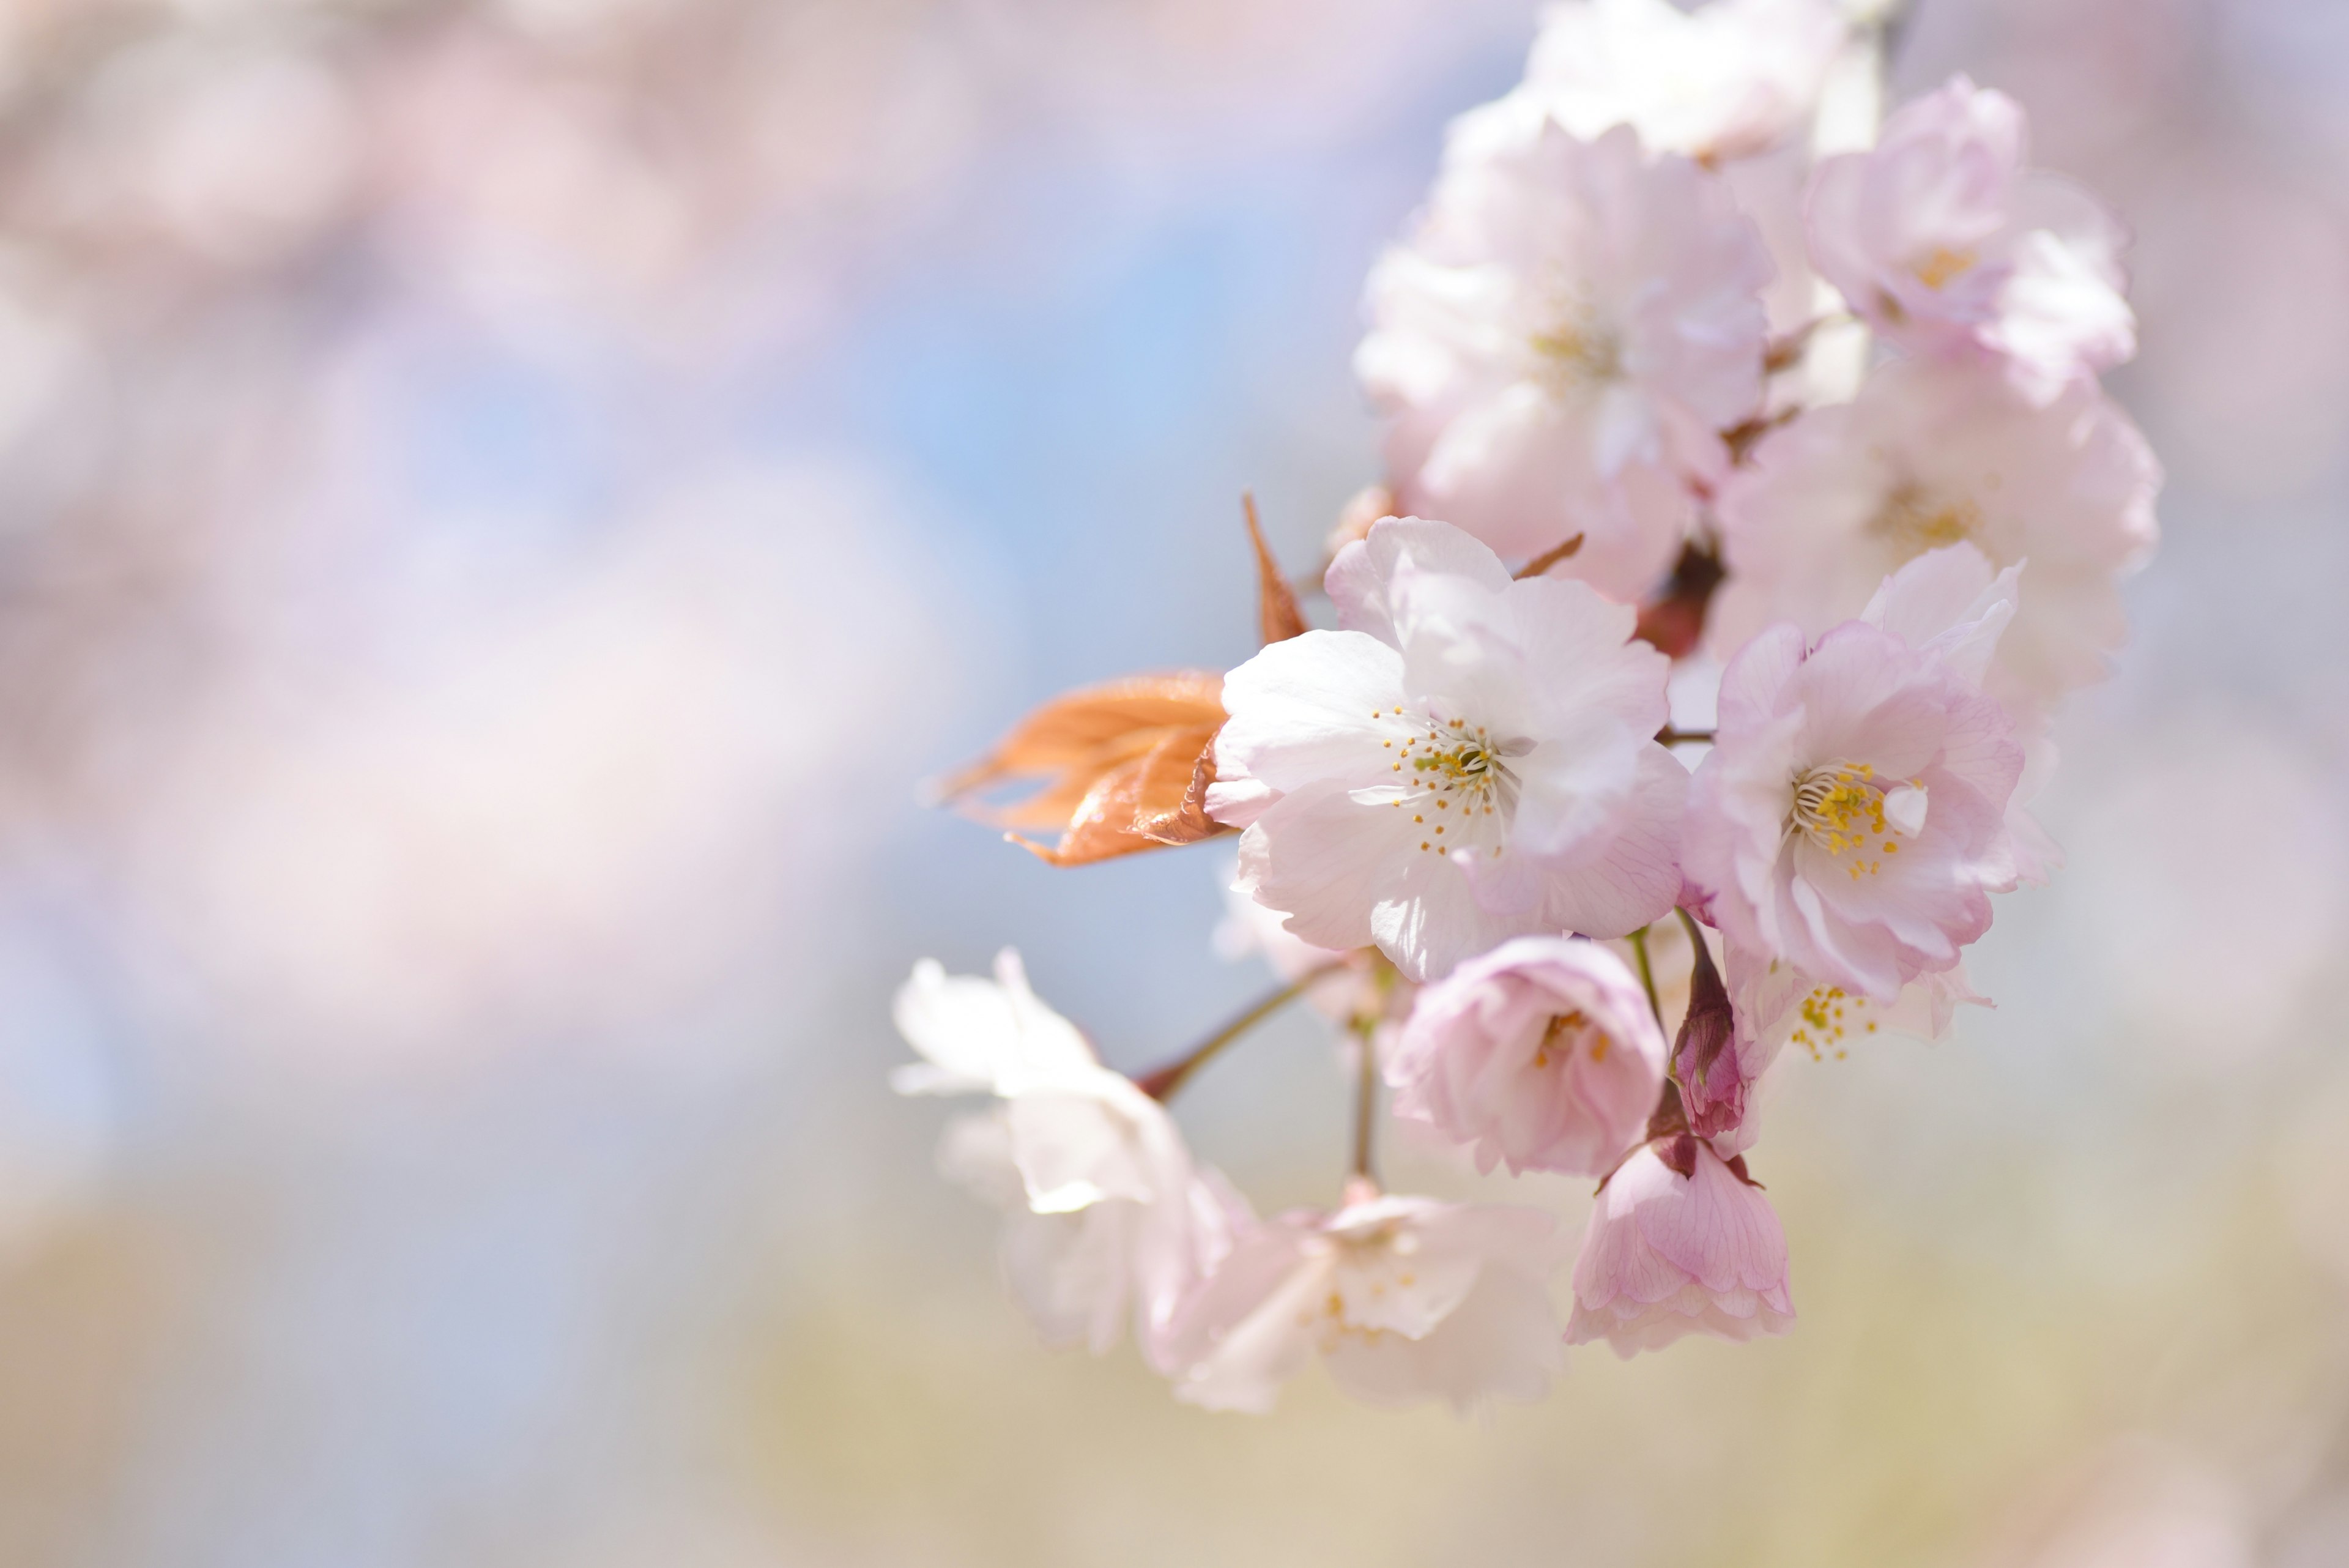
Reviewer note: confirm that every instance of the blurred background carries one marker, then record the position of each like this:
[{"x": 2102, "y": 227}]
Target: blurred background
[{"x": 502, "y": 502}]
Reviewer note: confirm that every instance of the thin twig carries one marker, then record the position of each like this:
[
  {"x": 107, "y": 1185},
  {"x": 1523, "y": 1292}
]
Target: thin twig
[
  {"x": 1366, "y": 1102},
  {"x": 1668, "y": 736},
  {"x": 1161, "y": 1083}
]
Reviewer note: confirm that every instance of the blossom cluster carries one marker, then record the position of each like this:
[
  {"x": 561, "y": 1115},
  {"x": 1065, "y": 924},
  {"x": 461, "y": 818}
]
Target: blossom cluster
[{"x": 1701, "y": 389}]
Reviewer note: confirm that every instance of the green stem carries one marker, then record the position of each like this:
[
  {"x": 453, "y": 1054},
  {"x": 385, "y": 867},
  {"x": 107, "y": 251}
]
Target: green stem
[
  {"x": 1639, "y": 940},
  {"x": 1366, "y": 1105}
]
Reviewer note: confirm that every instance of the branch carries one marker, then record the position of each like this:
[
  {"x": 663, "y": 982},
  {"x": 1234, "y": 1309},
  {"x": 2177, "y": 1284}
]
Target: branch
[{"x": 1162, "y": 1082}]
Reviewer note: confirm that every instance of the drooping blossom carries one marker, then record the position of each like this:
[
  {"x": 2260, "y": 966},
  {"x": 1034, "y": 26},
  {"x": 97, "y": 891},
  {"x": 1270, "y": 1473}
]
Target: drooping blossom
[
  {"x": 1850, "y": 820},
  {"x": 1542, "y": 1054},
  {"x": 1929, "y": 456},
  {"x": 1109, "y": 1216},
  {"x": 1681, "y": 1243},
  {"x": 1561, "y": 344},
  {"x": 1725, "y": 82},
  {"x": 1468, "y": 759},
  {"x": 1404, "y": 1299},
  {"x": 1946, "y": 242}
]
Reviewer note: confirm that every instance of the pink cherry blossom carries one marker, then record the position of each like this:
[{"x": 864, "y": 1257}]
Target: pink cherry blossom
[
  {"x": 1850, "y": 820},
  {"x": 1730, "y": 80},
  {"x": 1468, "y": 759},
  {"x": 1945, "y": 242},
  {"x": 1542, "y": 1053},
  {"x": 1404, "y": 1299},
  {"x": 1560, "y": 346},
  {"x": 1681, "y": 1243},
  {"x": 1932, "y": 455},
  {"x": 1109, "y": 1216}
]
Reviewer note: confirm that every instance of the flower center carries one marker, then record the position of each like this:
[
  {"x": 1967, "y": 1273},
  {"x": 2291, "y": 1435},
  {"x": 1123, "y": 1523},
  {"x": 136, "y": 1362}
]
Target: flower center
[
  {"x": 1938, "y": 270},
  {"x": 1843, "y": 807},
  {"x": 1914, "y": 520},
  {"x": 1563, "y": 1032},
  {"x": 1456, "y": 782},
  {"x": 1364, "y": 1269},
  {"x": 1574, "y": 347},
  {"x": 1575, "y": 358}
]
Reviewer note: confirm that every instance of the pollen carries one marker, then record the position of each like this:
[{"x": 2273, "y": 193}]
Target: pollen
[
  {"x": 1944, "y": 267},
  {"x": 1914, "y": 519},
  {"x": 1822, "y": 1027},
  {"x": 1839, "y": 808}
]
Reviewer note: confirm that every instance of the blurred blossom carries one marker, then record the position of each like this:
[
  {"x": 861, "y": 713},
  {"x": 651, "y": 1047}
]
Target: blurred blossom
[
  {"x": 60, "y": 1111},
  {"x": 2209, "y": 923},
  {"x": 570, "y": 813},
  {"x": 2249, "y": 378}
]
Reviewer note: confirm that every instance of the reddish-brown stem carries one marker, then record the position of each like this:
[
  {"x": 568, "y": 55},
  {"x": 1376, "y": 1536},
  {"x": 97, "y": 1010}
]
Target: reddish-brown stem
[{"x": 1162, "y": 1082}]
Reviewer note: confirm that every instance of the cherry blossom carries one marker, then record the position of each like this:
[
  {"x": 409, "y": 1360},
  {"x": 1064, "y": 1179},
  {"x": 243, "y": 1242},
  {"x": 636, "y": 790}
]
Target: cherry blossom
[
  {"x": 1932, "y": 455},
  {"x": 1109, "y": 1216},
  {"x": 1404, "y": 1299},
  {"x": 1468, "y": 759},
  {"x": 1862, "y": 558},
  {"x": 1543, "y": 1053},
  {"x": 1559, "y": 347},
  {"x": 1725, "y": 82},
  {"x": 1682, "y": 1242},
  {"x": 1850, "y": 820},
  {"x": 1945, "y": 242}
]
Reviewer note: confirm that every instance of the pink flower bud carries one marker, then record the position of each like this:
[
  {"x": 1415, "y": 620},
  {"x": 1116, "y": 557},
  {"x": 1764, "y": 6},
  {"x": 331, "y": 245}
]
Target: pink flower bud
[
  {"x": 1681, "y": 1243},
  {"x": 1705, "y": 1058}
]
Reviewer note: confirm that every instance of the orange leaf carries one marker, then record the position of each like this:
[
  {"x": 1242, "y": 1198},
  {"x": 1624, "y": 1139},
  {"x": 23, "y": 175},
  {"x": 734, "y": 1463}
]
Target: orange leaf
[
  {"x": 1171, "y": 804},
  {"x": 1152, "y": 801},
  {"x": 1125, "y": 767}
]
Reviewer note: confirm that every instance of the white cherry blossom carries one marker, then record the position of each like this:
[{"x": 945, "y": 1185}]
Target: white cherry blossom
[
  {"x": 1109, "y": 1217},
  {"x": 1723, "y": 81},
  {"x": 1469, "y": 758},
  {"x": 1560, "y": 346},
  {"x": 1404, "y": 1299}
]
